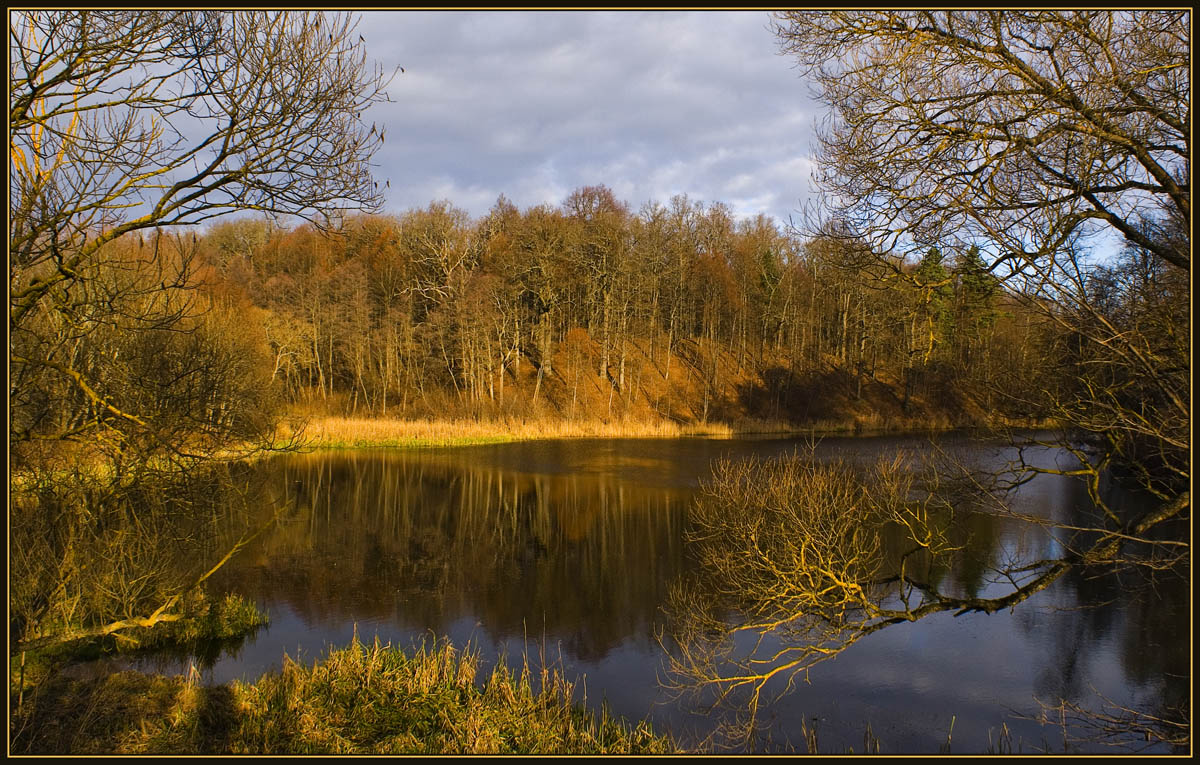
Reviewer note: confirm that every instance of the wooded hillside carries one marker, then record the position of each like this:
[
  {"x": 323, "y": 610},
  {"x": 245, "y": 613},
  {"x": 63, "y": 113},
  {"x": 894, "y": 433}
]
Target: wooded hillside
[{"x": 592, "y": 310}]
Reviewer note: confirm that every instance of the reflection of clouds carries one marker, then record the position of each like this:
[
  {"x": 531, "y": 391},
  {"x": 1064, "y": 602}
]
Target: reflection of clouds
[
  {"x": 910, "y": 680},
  {"x": 980, "y": 668}
]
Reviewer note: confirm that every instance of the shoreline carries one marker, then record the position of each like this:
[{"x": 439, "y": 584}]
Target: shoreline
[{"x": 336, "y": 432}]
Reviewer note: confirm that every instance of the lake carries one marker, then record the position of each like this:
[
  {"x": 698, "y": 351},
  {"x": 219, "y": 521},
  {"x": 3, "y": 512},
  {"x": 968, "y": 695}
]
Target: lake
[{"x": 566, "y": 550}]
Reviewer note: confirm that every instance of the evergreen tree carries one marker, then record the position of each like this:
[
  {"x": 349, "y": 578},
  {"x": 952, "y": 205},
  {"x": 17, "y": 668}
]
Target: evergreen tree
[{"x": 976, "y": 292}]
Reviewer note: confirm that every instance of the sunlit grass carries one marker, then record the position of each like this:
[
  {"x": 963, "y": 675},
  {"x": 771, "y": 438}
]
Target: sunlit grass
[
  {"x": 231, "y": 617},
  {"x": 362, "y": 699},
  {"x": 348, "y": 433},
  {"x": 333, "y": 432}
]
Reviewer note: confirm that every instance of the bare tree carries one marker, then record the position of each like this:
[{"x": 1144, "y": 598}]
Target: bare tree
[
  {"x": 122, "y": 123},
  {"x": 1026, "y": 134},
  {"x": 800, "y": 558},
  {"x": 1032, "y": 135},
  {"x": 1022, "y": 131},
  {"x": 127, "y": 120},
  {"x": 796, "y": 567}
]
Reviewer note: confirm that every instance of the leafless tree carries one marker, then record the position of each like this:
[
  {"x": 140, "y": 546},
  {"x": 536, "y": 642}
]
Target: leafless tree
[
  {"x": 124, "y": 121},
  {"x": 1034, "y": 136},
  {"x": 125, "y": 126},
  {"x": 1023, "y": 131}
]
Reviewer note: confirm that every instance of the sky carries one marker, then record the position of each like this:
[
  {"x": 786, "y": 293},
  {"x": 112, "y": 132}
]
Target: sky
[{"x": 533, "y": 105}]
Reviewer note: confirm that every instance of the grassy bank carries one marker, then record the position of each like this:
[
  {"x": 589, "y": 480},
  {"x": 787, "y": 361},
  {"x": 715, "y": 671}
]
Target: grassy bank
[
  {"x": 350, "y": 433},
  {"x": 331, "y": 432},
  {"x": 359, "y": 700}
]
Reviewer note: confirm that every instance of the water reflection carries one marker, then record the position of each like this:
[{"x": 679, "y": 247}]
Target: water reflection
[
  {"x": 576, "y": 544},
  {"x": 420, "y": 542}
]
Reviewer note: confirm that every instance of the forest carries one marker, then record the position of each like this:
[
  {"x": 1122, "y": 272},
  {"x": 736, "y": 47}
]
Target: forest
[{"x": 582, "y": 311}]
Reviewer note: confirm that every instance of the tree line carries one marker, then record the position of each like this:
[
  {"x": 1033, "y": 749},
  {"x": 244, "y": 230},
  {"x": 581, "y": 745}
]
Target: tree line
[{"x": 433, "y": 312}]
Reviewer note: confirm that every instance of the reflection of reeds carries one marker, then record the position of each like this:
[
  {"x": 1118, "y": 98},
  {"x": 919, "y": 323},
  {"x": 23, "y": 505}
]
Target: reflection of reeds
[{"x": 94, "y": 558}]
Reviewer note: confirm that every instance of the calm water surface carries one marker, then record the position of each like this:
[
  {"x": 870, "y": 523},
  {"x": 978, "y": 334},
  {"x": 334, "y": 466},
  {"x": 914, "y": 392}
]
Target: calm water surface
[{"x": 572, "y": 546}]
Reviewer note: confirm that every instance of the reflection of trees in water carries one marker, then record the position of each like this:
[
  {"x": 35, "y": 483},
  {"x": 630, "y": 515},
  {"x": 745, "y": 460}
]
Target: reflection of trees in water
[
  {"x": 1129, "y": 602},
  {"x": 413, "y": 541},
  {"x": 1135, "y": 618},
  {"x": 1154, "y": 649}
]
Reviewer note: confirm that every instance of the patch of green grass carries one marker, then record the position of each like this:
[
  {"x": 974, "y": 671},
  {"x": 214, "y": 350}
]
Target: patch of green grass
[
  {"x": 229, "y": 618},
  {"x": 358, "y": 700}
]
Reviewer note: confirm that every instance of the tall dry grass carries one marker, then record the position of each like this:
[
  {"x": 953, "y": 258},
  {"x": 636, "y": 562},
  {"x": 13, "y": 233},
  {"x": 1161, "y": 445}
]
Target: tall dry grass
[
  {"x": 346, "y": 432},
  {"x": 333, "y": 432},
  {"x": 362, "y": 699}
]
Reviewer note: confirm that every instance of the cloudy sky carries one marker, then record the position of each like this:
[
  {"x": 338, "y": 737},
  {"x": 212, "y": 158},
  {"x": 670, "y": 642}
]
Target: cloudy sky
[{"x": 533, "y": 105}]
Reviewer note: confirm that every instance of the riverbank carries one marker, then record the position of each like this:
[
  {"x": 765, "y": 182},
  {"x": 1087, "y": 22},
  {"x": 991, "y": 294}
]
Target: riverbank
[
  {"x": 332, "y": 432},
  {"x": 361, "y": 699}
]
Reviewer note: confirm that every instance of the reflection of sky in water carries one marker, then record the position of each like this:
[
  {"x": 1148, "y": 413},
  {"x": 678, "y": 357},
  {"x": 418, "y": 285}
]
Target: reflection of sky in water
[{"x": 572, "y": 545}]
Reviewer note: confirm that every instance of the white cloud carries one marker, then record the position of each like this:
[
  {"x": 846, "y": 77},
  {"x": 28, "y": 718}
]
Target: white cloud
[{"x": 533, "y": 105}]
